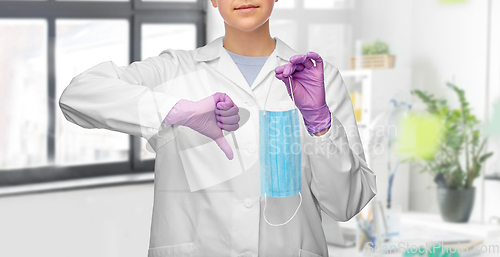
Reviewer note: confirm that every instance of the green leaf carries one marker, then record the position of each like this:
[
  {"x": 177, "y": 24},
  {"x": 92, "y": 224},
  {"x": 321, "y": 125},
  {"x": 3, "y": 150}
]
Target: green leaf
[
  {"x": 484, "y": 157},
  {"x": 475, "y": 137},
  {"x": 377, "y": 47},
  {"x": 459, "y": 138}
]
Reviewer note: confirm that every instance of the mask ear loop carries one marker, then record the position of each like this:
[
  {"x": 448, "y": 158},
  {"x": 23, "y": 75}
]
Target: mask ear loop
[
  {"x": 291, "y": 90},
  {"x": 267, "y": 96},
  {"x": 281, "y": 224}
]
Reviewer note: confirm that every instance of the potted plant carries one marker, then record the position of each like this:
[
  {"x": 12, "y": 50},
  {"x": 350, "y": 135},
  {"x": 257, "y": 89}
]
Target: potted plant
[
  {"x": 375, "y": 56},
  {"x": 458, "y": 157}
]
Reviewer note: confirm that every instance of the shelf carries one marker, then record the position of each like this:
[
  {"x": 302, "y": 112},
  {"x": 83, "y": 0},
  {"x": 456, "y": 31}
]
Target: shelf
[
  {"x": 362, "y": 124},
  {"x": 495, "y": 176},
  {"x": 354, "y": 73},
  {"x": 362, "y": 73},
  {"x": 434, "y": 221}
]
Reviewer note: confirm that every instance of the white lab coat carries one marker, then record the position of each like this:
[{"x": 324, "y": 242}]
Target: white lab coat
[{"x": 204, "y": 204}]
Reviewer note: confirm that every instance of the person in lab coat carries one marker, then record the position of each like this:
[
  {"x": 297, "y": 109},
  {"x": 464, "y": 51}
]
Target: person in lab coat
[{"x": 206, "y": 200}]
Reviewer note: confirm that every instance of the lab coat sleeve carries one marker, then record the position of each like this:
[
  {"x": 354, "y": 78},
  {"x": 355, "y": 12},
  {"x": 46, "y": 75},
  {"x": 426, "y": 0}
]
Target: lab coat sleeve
[
  {"x": 340, "y": 178},
  {"x": 127, "y": 99}
]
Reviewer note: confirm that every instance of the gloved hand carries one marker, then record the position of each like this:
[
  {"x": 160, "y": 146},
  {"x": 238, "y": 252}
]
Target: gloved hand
[
  {"x": 209, "y": 116},
  {"x": 308, "y": 86}
]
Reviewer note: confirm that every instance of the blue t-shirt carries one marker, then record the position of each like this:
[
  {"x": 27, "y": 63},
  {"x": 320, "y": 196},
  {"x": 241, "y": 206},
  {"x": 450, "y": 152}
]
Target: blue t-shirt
[{"x": 249, "y": 66}]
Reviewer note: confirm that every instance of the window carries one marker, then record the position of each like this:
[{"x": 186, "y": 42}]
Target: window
[
  {"x": 43, "y": 45},
  {"x": 157, "y": 36},
  {"x": 23, "y": 97},
  {"x": 326, "y": 27},
  {"x": 90, "y": 41}
]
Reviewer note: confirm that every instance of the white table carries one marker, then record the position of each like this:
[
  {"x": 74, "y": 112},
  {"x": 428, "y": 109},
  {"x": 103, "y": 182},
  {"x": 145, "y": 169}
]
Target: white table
[{"x": 419, "y": 228}]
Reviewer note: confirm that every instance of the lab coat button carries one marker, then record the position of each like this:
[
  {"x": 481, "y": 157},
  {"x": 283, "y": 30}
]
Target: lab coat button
[
  {"x": 252, "y": 149},
  {"x": 248, "y": 203},
  {"x": 250, "y": 102},
  {"x": 247, "y": 254}
]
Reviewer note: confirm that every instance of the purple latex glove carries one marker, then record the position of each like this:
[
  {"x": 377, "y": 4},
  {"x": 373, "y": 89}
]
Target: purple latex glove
[
  {"x": 209, "y": 116},
  {"x": 308, "y": 86}
]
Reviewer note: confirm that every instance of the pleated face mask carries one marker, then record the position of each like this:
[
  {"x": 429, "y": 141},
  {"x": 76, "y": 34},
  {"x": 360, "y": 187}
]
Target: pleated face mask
[{"x": 280, "y": 156}]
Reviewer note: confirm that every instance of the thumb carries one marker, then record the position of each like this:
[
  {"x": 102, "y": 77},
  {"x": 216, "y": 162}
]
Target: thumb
[
  {"x": 225, "y": 147},
  {"x": 317, "y": 58}
]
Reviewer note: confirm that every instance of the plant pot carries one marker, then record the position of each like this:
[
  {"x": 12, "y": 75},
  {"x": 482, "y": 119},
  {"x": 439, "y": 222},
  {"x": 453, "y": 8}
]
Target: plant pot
[
  {"x": 456, "y": 204},
  {"x": 377, "y": 61}
]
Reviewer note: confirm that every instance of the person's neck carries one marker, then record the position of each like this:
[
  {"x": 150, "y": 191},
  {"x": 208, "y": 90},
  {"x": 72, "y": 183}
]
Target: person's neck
[{"x": 253, "y": 43}]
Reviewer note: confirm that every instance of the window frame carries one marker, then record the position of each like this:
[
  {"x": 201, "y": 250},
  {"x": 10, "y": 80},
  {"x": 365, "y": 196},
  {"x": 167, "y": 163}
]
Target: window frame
[
  {"x": 12, "y": 181},
  {"x": 350, "y": 16},
  {"x": 155, "y": 19},
  {"x": 141, "y": 5}
]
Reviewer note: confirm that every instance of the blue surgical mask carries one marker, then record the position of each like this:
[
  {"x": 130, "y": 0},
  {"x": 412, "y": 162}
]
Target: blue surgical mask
[{"x": 280, "y": 156}]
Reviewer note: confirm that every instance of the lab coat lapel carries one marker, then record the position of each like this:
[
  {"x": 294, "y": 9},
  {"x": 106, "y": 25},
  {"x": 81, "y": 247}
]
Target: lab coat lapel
[
  {"x": 227, "y": 68},
  {"x": 224, "y": 64},
  {"x": 280, "y": 56},
  {"x": 269, "y": 67}
]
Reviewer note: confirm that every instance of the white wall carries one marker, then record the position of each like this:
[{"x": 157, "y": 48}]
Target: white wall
[
  {"x": 215, "y": 23},
  {"x": 439, "y": 42},
  {"x": 100, "y": 222},
  {"x": 448, "y": 44},
  {"x": 389, "y": 21},
  {"x": 492, "y": 188}
]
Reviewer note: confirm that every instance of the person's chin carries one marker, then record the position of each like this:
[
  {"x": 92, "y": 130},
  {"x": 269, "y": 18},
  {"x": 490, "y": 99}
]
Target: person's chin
[{"x": 249, "y": 27}]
